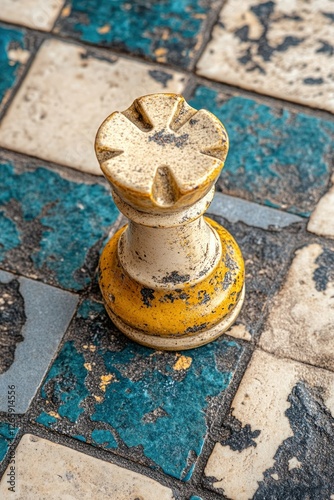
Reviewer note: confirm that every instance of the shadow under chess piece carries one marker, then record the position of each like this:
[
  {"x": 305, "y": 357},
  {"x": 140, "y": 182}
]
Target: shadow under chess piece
[{"x": 171, "y": 279}]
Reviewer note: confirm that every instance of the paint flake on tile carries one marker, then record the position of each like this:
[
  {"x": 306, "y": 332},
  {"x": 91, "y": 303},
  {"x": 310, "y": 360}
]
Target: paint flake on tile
[
  {"x": 34, "y": 317},
  {"x": 284, "y": 49},
  {"x": 301, "y": 318},
  {"x": 147, "y": 395},
  {"x": 279, "y": 438},
  {"x": 75, "y": 475},
  {"x": 165, "y": 31},
  {"x": 67, "y": 94},
  {"x": 51, "y": 228},
  {"x": 277, "y": 157}
]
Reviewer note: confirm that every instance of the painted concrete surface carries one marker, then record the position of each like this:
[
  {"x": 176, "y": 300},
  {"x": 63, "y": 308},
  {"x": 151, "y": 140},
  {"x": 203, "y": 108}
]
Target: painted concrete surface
[
  {"x": 278, "y": 440},
  {"x": 301, "y": 319},
  {"x": 277, "y": 157},
  {"x": 67, "y": 94},
  {"x": 322, "y": 218},
  {"x": 74, "y": 475},
  {"x": 51, "y": 228},
  {"x": 167, "y": 31},
  {"x": 34, "y": 317},
  {"x": 279, "y": 48},
  {"x": 148, "y": 405},
  {"x": 14, "y": 54},
  {"x": 36, "y": 14}
]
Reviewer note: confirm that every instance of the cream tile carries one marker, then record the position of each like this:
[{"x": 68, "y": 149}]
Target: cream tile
[
  {"x": 301, "y": 319},
  {"x": 65, "y": 97},
  {"x": 322, "y": 218},
  {"x": 283, "y": 48},
  {"x": 274, "y": 401},
  {"x": 36, "y": 14},
  {"x": 47, "y": 470}
]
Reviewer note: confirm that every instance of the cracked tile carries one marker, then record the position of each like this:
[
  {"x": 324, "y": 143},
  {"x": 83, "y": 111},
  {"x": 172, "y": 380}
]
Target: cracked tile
[
  {"x": 167, "y": 32},
  {"x": 279, "y": 439},
  {"x": 34, "y": 319},
  {"x": 284, "y": 49},
  {"x": 67, "y": 94},
  {"x": 272, "y": 151},
  {"x": 301, "y": 318},
  {"x": 14, "y": 54},
  {"x": 52, "y": 228},
  {"x": 74, "y": 475},
  {"x": 36, "y": 14},
  {"x": 114, "y": 394}
]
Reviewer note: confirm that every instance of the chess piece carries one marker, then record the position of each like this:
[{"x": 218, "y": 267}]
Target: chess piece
[{"x": 171, "y": 279}]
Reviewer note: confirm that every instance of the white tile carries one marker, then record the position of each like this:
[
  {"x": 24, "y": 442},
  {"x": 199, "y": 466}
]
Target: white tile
[
  {"x": 36, "y": 14},
  {"x": 45, "y": 470},
  {"x": 300, "y": 324},
  {"x": 282, "y": 48},
  {"x": 261, "y": 402},
  {"x": 322, "y": 218},
  {"x": 66, "y": 96}
]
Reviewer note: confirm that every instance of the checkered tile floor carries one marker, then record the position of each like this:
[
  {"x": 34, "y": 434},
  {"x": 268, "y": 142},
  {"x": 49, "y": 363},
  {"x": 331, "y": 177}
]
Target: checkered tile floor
[{"x": 86, "y": 413}]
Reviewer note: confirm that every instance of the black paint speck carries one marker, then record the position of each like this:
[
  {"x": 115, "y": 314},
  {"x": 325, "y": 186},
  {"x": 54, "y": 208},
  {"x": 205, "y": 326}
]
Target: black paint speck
[
  {"x": 313, "y": 81},
  {"x": 147, "y": 296},
  {"x": 174, "y": 277},
  {"x": 162, "y": 138}
]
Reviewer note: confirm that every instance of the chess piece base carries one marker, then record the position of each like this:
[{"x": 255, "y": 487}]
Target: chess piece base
[{"x": 184, "y": 316}]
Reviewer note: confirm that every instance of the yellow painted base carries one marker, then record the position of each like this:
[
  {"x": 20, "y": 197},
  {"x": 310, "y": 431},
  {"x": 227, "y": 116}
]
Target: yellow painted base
[{"x": 184, "y": 317}]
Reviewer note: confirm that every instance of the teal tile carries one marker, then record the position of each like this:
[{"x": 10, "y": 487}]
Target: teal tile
[
  {"x": 166, "y": 31},
  {"x": 8, "y": 433},
  {"x": 132, "y": 400},
  {"x": 50, "y": 227},
  {"x": 13, "y": 54},
  {"x": 277, "y": 157}
]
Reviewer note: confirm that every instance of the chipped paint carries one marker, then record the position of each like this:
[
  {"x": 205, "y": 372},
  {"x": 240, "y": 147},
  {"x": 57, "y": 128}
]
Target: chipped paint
[
  {"x": 182, "y": 363},
  {"x": 148, "y": 401}
]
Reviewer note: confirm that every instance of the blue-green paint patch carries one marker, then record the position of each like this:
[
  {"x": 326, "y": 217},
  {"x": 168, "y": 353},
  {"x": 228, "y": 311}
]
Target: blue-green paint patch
[
  {"x": 132, "y": 399},
  {"x": 167, "y": 31},
  {"x": 10, "y": 39},
  {"x": 195, "y": 497},
  {"x": 277, "y": 157},
  {"x": 51, "y": 225},
  {"x": 7, "y": 434}
]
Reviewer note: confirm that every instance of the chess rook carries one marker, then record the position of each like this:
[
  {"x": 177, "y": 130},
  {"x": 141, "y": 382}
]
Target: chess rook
[{"x": 171, "y": 279}]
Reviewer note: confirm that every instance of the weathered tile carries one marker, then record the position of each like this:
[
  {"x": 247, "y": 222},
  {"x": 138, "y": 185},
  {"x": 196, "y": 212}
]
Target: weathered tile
[
  {"x": 8, "y": 433},
  {"x": 115, "y": 394},
  {"x": 300, "y": 324},
  {"x": 36, "y": 14},
  {"x": 279, "y": 48},
  {"x": 165, "y": 31},
  {"x": 277, "y": 157},
  {"x": 67, "y": 94},
  {"x": 238, "y": 210},
  {"x": 51, "y": 228},
  {"x": 34, "y": 319},
  {"x": 14, "y": 53},
  {"x": 279, "y": 439},
  {"x": 60, "y": 472},
  {"x": 266, "y": 254},
  {"x": 322, "y": 219}
]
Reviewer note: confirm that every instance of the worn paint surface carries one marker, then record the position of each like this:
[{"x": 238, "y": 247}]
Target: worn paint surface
[
  {"x": 277, "y": 157},
  {"x": 7, "y": 435},
  {"x": 182, "y": 311},
  {"x": 40, "y": 212},
  {"x": 166, "y": 31},
  {"x": 284, "y": 49},
  {"x": 278, "y": 440},
  {"x": 14, "y": 54},
  {"x": 146, "y": 395}
]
